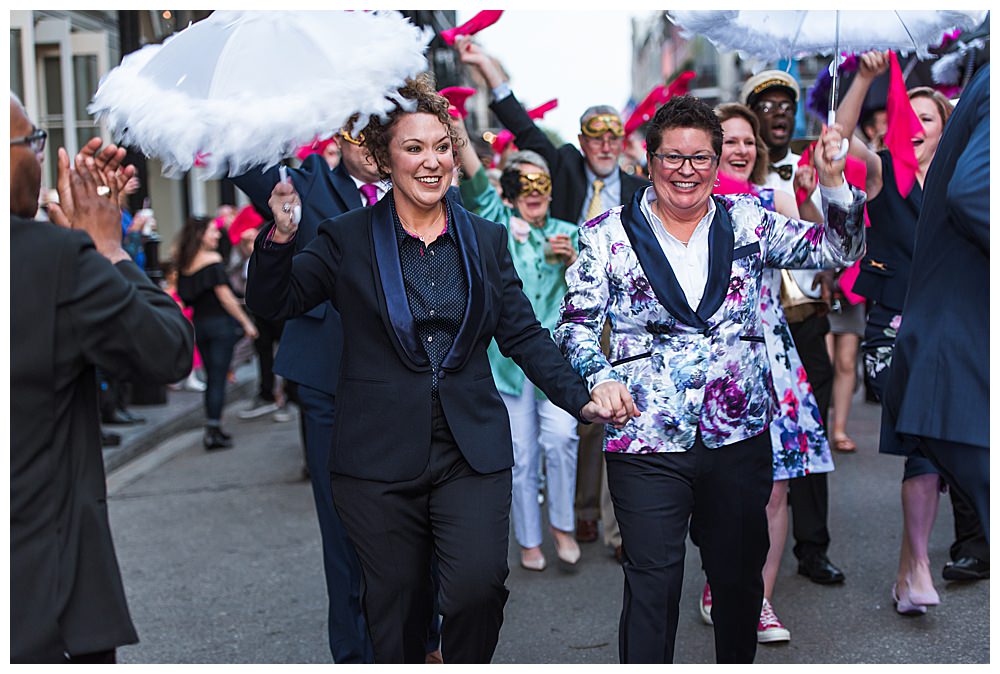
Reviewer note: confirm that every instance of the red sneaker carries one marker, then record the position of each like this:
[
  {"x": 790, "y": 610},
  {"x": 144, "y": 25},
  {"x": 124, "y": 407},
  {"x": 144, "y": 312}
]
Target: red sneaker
[
  {"x": 769, "y": 628},
  {"x": 706, "y": 605}
]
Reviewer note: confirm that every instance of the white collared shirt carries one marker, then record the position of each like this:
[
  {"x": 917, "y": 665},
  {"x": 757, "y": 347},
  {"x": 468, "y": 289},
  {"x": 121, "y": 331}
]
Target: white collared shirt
[
  {"x": 689, "y": 262},
  {"x": 381, "y": 185}
]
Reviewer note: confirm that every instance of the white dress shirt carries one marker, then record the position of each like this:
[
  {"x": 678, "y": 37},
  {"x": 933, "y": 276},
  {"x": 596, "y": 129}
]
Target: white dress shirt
[
  {"x": 382, "y": 186},
  {"x": 689, "y": 262}
]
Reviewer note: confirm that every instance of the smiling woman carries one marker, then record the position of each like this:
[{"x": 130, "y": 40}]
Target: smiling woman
[
  {"x": 421, "y": 460},
  {"x": 678, "y": 273}
]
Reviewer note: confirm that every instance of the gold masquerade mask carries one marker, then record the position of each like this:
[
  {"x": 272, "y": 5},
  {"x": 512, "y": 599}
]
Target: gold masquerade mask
[
  {"x": 353, "y": 141},
  {"x": 535, "y": 182},
  {"x": 598, "y": 125}
]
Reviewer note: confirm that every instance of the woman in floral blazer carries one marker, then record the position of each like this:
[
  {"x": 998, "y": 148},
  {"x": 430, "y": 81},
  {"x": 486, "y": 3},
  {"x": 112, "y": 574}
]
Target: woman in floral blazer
[{"x": 678, "y": 273}]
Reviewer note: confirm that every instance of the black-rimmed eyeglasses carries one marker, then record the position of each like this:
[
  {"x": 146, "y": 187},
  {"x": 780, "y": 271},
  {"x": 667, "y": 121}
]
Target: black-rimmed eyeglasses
[
  {"x": 699, "y": 162},
  {"x": 35, "y": 140}
]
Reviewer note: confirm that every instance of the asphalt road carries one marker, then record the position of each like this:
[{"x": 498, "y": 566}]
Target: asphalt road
[{"x": 221, "y": 560}]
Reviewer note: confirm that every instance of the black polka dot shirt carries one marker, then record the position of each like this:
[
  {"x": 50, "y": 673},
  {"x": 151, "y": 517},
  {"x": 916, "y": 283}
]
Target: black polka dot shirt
[{"x": 436, "y": 289}]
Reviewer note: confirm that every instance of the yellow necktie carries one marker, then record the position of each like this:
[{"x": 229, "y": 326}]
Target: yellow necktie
[{"x": 594, "y": 208}]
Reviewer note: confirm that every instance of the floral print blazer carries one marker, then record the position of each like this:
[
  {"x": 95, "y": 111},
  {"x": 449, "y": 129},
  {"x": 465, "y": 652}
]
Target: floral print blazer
[{"x": 690, "y": 369}]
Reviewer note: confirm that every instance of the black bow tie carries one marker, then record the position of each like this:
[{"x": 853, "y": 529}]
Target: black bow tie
[{"x": 785, "y": 171}]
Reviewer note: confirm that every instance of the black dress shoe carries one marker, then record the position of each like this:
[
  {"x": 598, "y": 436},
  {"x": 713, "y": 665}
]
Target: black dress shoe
[
  {"x": 214, "y": 440},
  {"x": 966, "y": 568},
  {"x": 820, "y": 570},
  {"x": 117, "y": 418},
  {"x": 110, "y": 439},
  {"x": 131, "y": 416}
]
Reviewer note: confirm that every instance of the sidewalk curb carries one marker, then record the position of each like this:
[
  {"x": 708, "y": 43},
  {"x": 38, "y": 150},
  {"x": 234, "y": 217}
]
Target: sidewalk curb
[{"x": 186, "y": 418}]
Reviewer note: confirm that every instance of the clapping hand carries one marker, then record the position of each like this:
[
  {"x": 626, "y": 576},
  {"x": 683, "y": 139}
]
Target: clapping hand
[
  {"x": 610, "y": 403},
  {"x": 282, "y": 203}
]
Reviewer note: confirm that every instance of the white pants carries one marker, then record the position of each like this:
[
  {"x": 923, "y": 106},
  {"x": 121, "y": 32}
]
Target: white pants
[{"x": 539, "y": 425}]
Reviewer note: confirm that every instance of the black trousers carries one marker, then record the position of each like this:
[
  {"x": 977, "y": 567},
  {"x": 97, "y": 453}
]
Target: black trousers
[
  {"x": 966, "y": 468},
  {"x": 723, "y": 493},
  {"x": 268, "y": 336},
  {"x": 970, "y": 539},
  {"x": 449, "y": 510},
  {"x": 809, "y": 496}
]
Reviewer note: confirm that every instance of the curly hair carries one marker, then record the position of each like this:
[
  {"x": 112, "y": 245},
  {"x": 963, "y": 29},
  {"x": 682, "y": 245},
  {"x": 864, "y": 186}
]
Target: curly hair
[
  {"x": 683, "y": 112},
  {"x": 420, "y": 91},
  {"x": 940, "y": 101},
  {"x": 728, "y": 111}
]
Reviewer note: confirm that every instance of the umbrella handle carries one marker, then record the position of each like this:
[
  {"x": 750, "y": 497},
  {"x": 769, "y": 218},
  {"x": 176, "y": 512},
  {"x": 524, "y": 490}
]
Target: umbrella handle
[
  {"x": 297, "y": 211},
  {"x": 845, "y": 143}
]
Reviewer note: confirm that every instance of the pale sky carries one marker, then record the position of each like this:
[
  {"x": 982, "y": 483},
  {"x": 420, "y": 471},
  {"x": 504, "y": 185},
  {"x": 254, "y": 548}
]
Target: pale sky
[{"x": 581, "y": 57}]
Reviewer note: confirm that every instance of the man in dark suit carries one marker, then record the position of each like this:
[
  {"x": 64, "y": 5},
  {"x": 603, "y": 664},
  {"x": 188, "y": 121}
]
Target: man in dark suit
[
  {"x": 309, "y": 355},
  {"x": 77, "y": 302},
  {"x": 585, "y": 183},
  {"x": 939, "y": 386}
]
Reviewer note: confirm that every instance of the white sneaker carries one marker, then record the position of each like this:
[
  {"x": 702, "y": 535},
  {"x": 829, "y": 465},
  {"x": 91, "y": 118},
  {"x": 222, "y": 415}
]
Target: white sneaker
[
  {"x": 282, "y": 415},
  {"x": 258, "y": 408},
  {"x": 769, "y": 628},
  {"x": 192, "y": 383}
]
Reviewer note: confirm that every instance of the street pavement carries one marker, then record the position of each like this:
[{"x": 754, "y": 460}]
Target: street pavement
[{"x": 222, "y": 564}]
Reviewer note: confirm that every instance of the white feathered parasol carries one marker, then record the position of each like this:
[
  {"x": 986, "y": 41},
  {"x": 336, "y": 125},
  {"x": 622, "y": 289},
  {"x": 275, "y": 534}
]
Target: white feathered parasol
[{"x": 246, "y": 88}]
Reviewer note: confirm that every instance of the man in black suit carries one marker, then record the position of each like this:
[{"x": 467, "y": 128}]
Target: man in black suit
[
  {"x": 309, "y": 355},
  {"x": 939, "y": 385},
  {"x": 77, "y": 302},
  {"x": 585, "y": 183}
]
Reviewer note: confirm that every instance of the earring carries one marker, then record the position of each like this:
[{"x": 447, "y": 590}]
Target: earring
[{"x": 716, "y": 185}]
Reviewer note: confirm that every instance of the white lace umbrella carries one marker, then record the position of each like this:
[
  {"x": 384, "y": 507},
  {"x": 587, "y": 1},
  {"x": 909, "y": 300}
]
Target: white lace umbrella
[
  {"x": 245, "y": 88},
  {"x": 788, "y": 34}
]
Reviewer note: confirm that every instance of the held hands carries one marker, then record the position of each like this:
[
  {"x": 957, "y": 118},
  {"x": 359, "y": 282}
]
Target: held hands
[
  {"x": 282, "y": 203},
  {"x": 610, "y": 403},
  {"x": 830, "y": 169}
]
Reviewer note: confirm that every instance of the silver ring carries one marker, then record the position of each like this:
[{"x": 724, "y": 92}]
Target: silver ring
[
  {"x": 286, "y": 207},
  {"x": 103, "y": 191}
]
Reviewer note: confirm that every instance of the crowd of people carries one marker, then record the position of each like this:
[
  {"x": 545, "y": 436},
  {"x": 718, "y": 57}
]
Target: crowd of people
[{"x": 652, "y": 349}]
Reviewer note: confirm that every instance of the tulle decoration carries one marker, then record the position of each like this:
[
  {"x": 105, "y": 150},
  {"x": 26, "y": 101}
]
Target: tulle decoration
[
  {"x": 456, "y": 97},
  {"x": 728, "y": 184},
  {"x": 654, "y": 99},
  {"x": 539, "y": 112},
  {"x": 856, "y": 174},
  {"x": 248, "y": 88},
  {"x": 316, "y": 147},
  {"x": 481, "y": 20},
  {"x": 785, "y": 34},
  {"x": 247, "y": 218},
  {"x": 818, "y": 95},
  {"x": 902, "y": 126}
]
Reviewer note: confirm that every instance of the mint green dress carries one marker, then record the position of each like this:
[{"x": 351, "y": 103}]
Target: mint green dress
[{"x": 544, "y": 283}]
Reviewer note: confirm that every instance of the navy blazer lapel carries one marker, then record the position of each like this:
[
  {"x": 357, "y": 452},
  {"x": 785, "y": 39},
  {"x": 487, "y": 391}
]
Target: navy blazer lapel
[
  {"x": 655, "y": 265},
  {"x": 720, "y": 261},
  {"x": 390, "y": 276},
  {"x": 345, "y": 188},
  {"x": 468, "y": 246}
]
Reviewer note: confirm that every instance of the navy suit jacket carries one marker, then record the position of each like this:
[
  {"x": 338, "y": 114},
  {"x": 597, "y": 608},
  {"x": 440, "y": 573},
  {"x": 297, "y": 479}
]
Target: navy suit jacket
[
  {"x": 939, "y": 383},
  {"x": 566, "y": 163},
  {"x": 383, "y": 416},
  {"x": 324, "y": 194}
]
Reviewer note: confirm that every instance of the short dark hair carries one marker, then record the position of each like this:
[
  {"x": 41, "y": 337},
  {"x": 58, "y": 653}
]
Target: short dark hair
[
  {"x": 684, "y": 112},
  {"x": 420, "y": 92}
]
